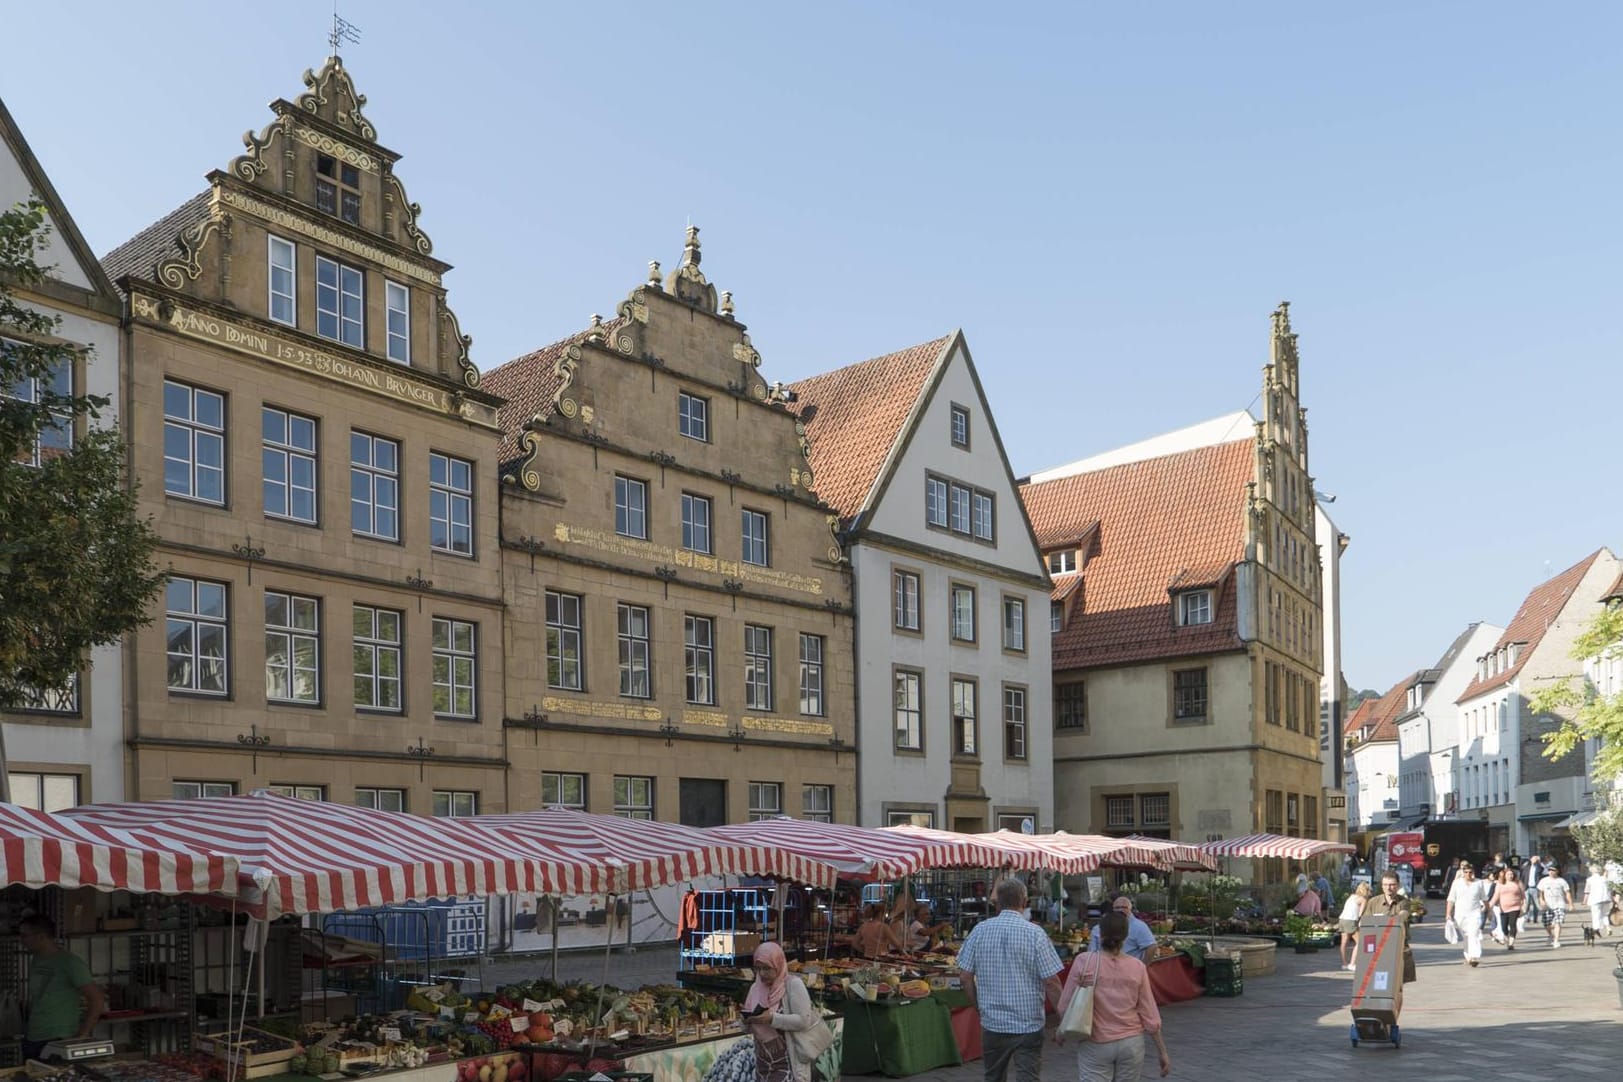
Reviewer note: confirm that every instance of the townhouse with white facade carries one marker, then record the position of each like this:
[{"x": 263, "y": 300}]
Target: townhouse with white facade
[
  {"x": 1428, "y": 730},
  {"x": 1372, "y": 762},
  {"x": 1504, "y": 777},
  {"x": 66, "y": 745},
  {"x": 954, "y": 716}
]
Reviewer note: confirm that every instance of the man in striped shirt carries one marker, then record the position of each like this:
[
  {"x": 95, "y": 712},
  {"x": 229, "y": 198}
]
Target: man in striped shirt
[{"x": 1010, "y": 970}]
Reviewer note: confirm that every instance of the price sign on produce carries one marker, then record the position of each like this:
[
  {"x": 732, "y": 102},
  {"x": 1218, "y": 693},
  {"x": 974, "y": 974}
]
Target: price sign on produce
[
  {"x": 447, "y": 1012},
  {"x": 519, "y": 1022},
  {"x": 470, "y": 1016},
  {"x": 531, "y": 1006},
  {"x": 389, "y": 1033}
]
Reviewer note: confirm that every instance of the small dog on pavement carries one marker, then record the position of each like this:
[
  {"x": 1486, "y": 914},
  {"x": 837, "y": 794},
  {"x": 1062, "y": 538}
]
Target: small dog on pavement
[{"x": 1591, "y": 937}]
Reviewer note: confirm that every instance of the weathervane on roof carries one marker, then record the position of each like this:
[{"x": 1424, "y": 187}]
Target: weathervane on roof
[{"x": 342, "y": 30}]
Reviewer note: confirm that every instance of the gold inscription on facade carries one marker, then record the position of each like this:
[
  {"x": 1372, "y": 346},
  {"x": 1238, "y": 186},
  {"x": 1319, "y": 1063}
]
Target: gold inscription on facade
[
  {"x": 295, "y": 224},
  {"x": 715, "y": 719},
  {"x": 587, "y": 709},
  {"x": 267, "y": 347},
  {"x": 789, "y": 725},
  {"x": 698, "y": 561},
  {"x": 342, "y": 151}
]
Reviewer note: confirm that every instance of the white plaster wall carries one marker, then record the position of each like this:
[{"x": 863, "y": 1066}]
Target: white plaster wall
[
  {"x": 14, "y": 189},
  {"x": 1371, "y": 782},
  {"x": 1331, "y": 706}
]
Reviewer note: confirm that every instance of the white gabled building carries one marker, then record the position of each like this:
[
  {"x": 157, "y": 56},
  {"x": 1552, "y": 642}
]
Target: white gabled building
[
  {"x": 1428, "y": 730},
  {"x": 954, "y": 716},
  {"x": 1372, "y": 761},
  {"x": 67, "y": 746}
]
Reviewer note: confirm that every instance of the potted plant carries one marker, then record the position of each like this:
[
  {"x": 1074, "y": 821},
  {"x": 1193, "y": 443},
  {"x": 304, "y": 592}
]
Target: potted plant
[{"x": 1299, "y": 929}]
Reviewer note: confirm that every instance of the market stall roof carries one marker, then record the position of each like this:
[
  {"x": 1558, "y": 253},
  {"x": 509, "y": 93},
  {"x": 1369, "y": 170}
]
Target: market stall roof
[
  {"x": 1274, "y": 845},
  {"x": 1005, "y": 848},
  {"x": 1175, "y": 856},
  {"x": 861, "y": 851},
  {"x": 306, "y": 856},
  {"x": 39, "y": 849},
  {"x": 633, "y": 854}
]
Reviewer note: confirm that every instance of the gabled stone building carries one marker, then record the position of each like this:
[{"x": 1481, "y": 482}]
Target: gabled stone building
[
  {"x": 679, "y": 607},
  {"x": 1188, "y": 602},
  {"x": 320, "y": 462}
]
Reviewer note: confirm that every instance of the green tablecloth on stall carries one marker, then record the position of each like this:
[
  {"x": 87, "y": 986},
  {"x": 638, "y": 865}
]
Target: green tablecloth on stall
[{"x": 898, "y": 1037}]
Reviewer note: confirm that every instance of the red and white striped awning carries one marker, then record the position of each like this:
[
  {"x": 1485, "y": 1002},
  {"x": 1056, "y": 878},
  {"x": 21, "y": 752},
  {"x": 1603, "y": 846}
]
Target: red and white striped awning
[
  {"x": 39, "y": 849},
  {"x": 633, "y": 854},
  {"x": 1175, "y": 856},
  {"x": 307, "y": 856},
  {"x": 1274, "y": 845},
  {"x": 1004, "y": 849},
  {"x": 861, "y": 852}
]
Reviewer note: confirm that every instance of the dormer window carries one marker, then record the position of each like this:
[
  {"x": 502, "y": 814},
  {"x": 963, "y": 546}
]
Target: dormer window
[
  {"x": 1195, "y": 607},
  {"x": 960, "y": 427},
  {"x": 338, "y": 189},
  {"x": 1061, "y": 562}
]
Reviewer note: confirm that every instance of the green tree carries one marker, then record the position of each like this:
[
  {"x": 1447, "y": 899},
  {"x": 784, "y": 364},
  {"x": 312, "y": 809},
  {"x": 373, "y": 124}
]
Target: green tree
[
  {"x": 1584, "y": 712},
  {"x": 1602, "y": 839},
  {"x": 75, "y": 562}
]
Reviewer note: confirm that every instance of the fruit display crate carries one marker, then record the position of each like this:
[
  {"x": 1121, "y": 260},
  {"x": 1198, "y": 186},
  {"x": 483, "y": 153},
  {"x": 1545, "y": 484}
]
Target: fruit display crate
[{"x": 257, "y": 1055}]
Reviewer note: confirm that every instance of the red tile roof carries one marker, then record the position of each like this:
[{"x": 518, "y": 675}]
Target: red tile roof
[
  {"x": 854, "y": 415},
  {"x": 528, "y": 384},
  {"x": 1381, "y": 722},
  {"x": 1541, "y": 608},
  {"x": 1063, "y": 585},
  {"x": 1177, "y": 518},
  {"x": 1615, "y": 591}
]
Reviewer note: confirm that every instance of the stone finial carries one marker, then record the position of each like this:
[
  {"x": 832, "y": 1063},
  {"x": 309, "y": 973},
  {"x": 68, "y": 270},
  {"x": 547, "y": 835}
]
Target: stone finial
[
  {"x": 691, "y": 256},
  {"x": 687, "y": 282},
  {"x": 727, "y": 303}
]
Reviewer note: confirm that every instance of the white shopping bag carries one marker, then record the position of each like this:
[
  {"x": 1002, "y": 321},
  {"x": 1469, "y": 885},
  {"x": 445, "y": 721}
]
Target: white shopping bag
[{"x": 1451, "y": 931}]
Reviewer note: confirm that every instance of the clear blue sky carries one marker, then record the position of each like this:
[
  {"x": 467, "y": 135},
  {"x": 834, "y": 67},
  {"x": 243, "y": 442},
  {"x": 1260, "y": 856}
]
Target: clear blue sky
[{"x": 1109, "y": 199}]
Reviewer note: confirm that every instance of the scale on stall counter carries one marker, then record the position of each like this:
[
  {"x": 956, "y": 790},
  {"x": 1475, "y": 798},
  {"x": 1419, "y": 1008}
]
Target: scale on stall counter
[{"x": 73, "y": 1050}]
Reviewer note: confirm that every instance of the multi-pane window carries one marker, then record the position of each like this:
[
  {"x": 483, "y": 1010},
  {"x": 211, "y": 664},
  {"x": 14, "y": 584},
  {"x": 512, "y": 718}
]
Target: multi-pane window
[
  {"x": 1071, "y": 705},
  {"x": 397, "y": 302},
  {"x": 811, "y": 674},
  {"x": 1155, "y": 810},
  {"x": 755, "y": 539},
  {"x": 960, "y": 427},
  {"x": 935, "y": 501},
  {"x": 1056, "y": 616},
  {"x": 1014, "y": 624},
  {"x": 455, "y": 803},
  {"x": 564, "y": 666},
  {"x": 1119, "y": 813},
  {"x": 633, "y": 797},
  {"x": 560, "y": 790},
  {"x": 1189, "y": 695},
  {"x": 635, "y": 660},
  {"x": 695, "y": 522},
  {"x": 1062, "y": 561},
  {"x": 300, "y": 792},
  {"x": 377, "y": 658},
  {"x": 985, "y": 516},
  {"x": 905, "y": 600},
  {"x": 283, "y": 276},
  {"x": 44, "y": 792},
  {"x": 455, "y": 666},
  {"x": 693, "y": 416},
  {"x": 757, "y": 667},
  {"x": 909, "y": 710},
  {"x": 292, "y": 648},
  {"x": 195, "y": 628},
  {"x": 193, "y": 442},
  {"x": 194, "y": 790},
  {"x": 374, "y": 486},
  {"x": 965, "y": 728},
  {"x": 1195, "y": 607},
  {"x": 289, "y": 464},
  {"x": 338, "y": 189},
  {"x": 699, "y": 649},
  {"x": 389, "y": 800},
  {"x": 897, "y": 818},
  {"x": 817, "y": 803},
  {"x": 766, "y": 800},
  {"x": 1014, "y": 723},
  {"x": 56, "y": 438},
  {"x": 340, "y": 303},
  {"x": 450, "y": 504},
  {"x": 958, "y": 509},
  {"x": 961, "y": 611},
  {"x": 630, "y": 507},
  {"x": 61, "y": 699}
]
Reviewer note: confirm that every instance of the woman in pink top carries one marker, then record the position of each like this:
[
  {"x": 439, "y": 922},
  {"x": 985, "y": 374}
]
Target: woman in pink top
[
  {"x": 1123, "y": 1009},
  {"x": 1509, "y": 896}
]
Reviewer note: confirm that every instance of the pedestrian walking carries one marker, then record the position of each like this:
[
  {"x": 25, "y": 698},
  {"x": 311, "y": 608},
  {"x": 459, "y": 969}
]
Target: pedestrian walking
[
  {"x": 1350, "y": 912},
  {"x": 1124, "y": 1010},
  {"x": 1530, "y": 879},
  {"x": 1466, "y": 903},
  {"x": 1598, "y": 896},
  {"x": 781, "y": 1020},
  {"x": 1327, "y": 896},
  {"x": 1555, "y": 895},
  {"x": 1508, "y": 899},
  {"x": 1009, "y": 971},
  {"x": 1493, "y": 908}
]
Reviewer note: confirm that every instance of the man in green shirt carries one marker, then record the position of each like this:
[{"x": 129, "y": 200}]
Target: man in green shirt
[{"x": 63, "y": 1001}]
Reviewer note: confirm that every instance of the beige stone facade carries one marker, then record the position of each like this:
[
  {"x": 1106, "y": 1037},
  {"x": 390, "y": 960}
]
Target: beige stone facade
[
  {"x": 321, "y": 465},
  {"x": 678, "y": 608}
]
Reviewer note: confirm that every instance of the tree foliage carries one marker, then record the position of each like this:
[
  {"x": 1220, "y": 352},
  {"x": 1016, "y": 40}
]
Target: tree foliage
[
  {"x": 1584, "y": 712},
  {"x": 75, "y": 562},
  {"x": 1602, "y": 839}
]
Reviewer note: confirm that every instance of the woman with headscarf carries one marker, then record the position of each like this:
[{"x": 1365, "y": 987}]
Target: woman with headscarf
[{"x": 779, "y": 1015}]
